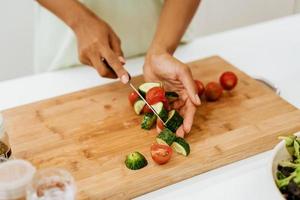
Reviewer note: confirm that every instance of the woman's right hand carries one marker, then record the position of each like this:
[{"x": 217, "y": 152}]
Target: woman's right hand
[{"x": 96, "y": 42}]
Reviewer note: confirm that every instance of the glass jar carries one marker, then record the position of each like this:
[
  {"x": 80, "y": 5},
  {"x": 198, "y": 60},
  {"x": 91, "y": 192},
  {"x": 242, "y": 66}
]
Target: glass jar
[
  {"x": 5, "y": 150},
  {"x": 51, "y": 184}
]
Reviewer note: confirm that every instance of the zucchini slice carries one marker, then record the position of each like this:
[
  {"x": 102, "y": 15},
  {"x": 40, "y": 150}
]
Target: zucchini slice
[
  {"x": 172, "y": 96},
  {"x": 148, "y": 121},
  {"x": 181, "y": 146},
  {"x": 166, "y": 137},
  {"x": 135, "y": 161},
  {"x": 145, "y": 87},
  {"x": 161, "y": 111},
  {"x": 174, "y": 121},
  {"x": 138, "y": 106}
]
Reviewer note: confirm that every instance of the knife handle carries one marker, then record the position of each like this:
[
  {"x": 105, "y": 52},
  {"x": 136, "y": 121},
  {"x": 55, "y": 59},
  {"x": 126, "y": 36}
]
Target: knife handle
[{"x": 111, "y": 69}]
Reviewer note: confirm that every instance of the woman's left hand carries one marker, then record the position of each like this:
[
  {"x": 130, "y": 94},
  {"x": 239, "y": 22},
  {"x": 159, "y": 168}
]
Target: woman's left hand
[{"x": 175, "y": 76}]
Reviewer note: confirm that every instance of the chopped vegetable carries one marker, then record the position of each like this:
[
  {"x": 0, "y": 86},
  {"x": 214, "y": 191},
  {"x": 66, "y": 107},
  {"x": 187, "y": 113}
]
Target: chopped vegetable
[
  {"x": 171, "y": 96},
  {"x": 159, "y": 126},
  {"x": 146, "y": 109},
  {"x": 161, "y": 111},
  {"x": 161, "y": 154},
  {"x": 145, "y": 87},
  {"x": 135, "y": 161},
  {"x": 174, "y": 121},
  {"x": 148, "y": 121},
  {"x": 166, "y": 137},
  {"x": 155, "y": 95},
  {"x": 133, "y": 97},
  {"x": 181, "y": 146},
  {"x": 138, "y": 106}
]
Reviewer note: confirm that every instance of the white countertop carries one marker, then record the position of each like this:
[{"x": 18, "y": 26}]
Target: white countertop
[{"x": 270, "y": 50}]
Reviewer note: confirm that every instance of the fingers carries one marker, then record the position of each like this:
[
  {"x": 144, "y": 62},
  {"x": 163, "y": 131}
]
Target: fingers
[
  {"x": 188, "y": 112},
  {"x": 114, "y": 62},
  {"x": 115, "y": 44},
  {"x": 100, "y": 67},
  {"x": 188, "y": 82},
  {"x": 180, "y": 132},
  {"x": 189, "y": 116}
]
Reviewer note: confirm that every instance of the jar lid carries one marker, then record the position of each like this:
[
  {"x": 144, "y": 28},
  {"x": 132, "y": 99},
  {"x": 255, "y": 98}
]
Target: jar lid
[{"x": 15, "y": 175}]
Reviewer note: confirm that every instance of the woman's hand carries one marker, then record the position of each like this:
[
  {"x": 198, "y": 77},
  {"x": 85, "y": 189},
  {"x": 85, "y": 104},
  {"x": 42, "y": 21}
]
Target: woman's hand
[
  {"x": 97, "y": 44},
  {"x": 177, "y": 77}
]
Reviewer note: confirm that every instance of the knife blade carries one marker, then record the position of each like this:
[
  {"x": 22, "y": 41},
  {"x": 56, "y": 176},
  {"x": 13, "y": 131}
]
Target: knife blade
[
  {"x": 153, "y": 110},
  {"x": 132, "y": 86}
]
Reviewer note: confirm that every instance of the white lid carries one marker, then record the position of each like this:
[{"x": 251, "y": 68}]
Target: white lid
[{"x": 14, "y": 177}]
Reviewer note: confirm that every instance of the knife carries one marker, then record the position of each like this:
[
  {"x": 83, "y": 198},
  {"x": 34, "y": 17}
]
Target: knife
[
  {"x": 132, "y": 86},
  {"x": 153, "y": 110}
]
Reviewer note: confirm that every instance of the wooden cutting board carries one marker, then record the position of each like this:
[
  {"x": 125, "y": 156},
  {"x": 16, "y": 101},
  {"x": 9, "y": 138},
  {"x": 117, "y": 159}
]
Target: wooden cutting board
[{"x": 89, "y": 133}]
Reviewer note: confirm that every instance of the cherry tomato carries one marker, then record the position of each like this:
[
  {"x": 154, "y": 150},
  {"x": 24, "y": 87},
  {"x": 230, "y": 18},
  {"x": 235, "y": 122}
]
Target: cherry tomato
[
  {"x": 213, "y": 91},
  {"x": 155, "y": 95},
  {"x": 166, "y": 104},
  {"x": 161, "y": 154},
  {"x": 132, "y": 97},
  {"x": 228, "y": 80},
  {"x": 159, "y": 126},
  {"x": 200, "y": 87},
  {"x": 146, "y": 109}
]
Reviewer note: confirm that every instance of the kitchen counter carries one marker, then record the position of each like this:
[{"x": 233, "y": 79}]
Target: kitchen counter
[{"x": 270, "y": 50}]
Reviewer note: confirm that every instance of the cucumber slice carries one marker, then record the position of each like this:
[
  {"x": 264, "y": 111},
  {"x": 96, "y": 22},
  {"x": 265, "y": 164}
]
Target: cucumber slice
[
  {"x": 181, "y": 146},
  {"x": 174, "y": 121},
  {"x": 148, "y": 121},
  {"x": 138, "y": 106},
  {"x": 161, "y": 111},
  {"x": 166, "y": 137},
  {"x": 135, "y": 161},
  {"x": 172, "y": 96},
  {"x": 145, "y": 87}
]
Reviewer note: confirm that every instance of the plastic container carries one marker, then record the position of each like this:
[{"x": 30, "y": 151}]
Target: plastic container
[
  {"x": 51, "y": 184},
  {"x": 5, "y": 150},
  {"x": 15, "y": 175}
]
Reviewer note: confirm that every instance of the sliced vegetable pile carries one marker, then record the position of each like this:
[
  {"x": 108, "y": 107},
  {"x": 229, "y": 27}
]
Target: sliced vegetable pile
[
  {"x": 167, "y": 141},
  {"x": 288, "y": 174},
  {"x": 160, "y": 100}
]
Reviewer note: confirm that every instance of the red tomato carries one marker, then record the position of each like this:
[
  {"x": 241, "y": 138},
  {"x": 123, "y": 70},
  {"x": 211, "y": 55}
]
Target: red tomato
[
  {"x": 155, "y": 95},
  {"x": 161, "y": 154},
  {"x": 200, "y": 87},
  {"x": 133, "y": 96},
  {"x": 213, "y": 91},
  {"x": 228, "y": 80},
  {"x": 166, "y": 104},
  {"x": 146, "y": 109},
  {"x": 159, "y": 125}
]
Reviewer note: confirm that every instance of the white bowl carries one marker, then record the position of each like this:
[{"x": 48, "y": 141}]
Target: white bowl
[{"x": 279, "y": 153}]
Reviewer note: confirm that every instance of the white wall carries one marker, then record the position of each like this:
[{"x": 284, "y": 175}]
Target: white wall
[
  {"x": 16, "y": 30},
  {"x": 16, "y": 38},
  {"x": 219, "y": 15}
]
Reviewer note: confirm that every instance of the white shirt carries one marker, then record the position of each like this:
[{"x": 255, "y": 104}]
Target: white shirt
[{"x": 134, "y": 21}]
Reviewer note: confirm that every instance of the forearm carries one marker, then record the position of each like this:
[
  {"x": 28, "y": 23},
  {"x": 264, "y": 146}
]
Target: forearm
[
  {"x": 174, "y": 20},
  {"x": 72, "y": 12}
]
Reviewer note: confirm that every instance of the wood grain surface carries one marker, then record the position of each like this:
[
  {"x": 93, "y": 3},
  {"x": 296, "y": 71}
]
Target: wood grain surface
[{"x": 91, "y": 131}]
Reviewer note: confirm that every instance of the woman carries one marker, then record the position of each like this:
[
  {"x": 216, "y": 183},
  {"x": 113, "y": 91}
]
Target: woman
[{"x": 93, "y": 23}]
